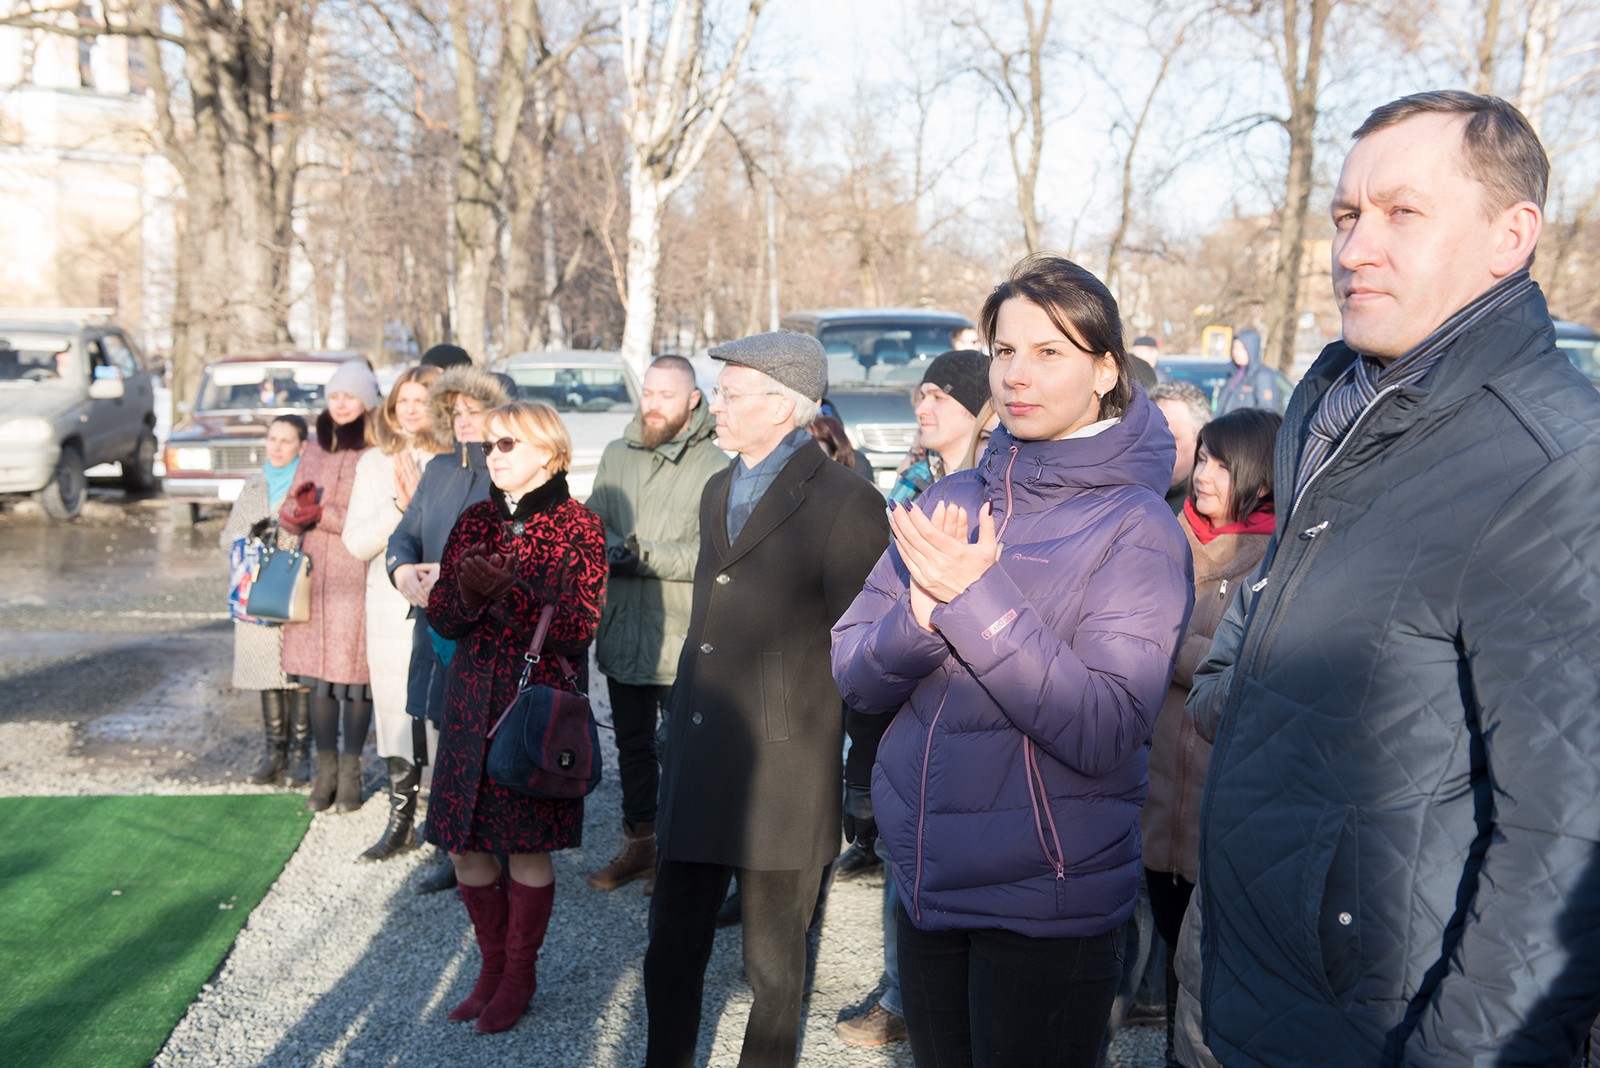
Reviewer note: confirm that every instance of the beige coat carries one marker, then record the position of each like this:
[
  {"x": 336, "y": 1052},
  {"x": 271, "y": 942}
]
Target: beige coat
[
  {"x": 1170, "y": 821},
  {"x": 333, "y": 645},
  {"x": 257, "y": 649},
  {"x": 372, "y": 517}
]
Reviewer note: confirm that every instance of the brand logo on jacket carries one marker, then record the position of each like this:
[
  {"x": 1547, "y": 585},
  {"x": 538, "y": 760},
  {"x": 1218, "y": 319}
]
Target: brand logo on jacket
[
  {"x": 1030, "y": 559},
  {"x": 998, "y": 625}
]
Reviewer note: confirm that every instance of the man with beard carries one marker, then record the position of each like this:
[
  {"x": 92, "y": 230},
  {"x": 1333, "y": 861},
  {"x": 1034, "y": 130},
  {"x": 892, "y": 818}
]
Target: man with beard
[{"x": 647, "y": 492}]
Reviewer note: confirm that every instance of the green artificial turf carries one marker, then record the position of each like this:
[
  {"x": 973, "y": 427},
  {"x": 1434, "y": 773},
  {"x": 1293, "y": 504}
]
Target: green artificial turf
[{"x": 114, "y": 911}]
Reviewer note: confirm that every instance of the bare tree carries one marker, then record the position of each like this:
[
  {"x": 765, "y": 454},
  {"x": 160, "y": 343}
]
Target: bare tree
[
  {"x": 675, "y": 105},
  {"x": 229, "y": 119},
  {"x": 1016, "y": 74}
]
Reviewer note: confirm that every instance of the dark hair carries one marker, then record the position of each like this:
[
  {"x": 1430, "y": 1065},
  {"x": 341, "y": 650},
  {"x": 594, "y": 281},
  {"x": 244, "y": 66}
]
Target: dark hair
[
  {"x": 1242, "y": 442},
  {"x": 1499, "y": 148},
  {"x": 297, "y": 423},
  {"x": 830, "y": 434},
  {"x": 1079, "y": 305},
  {"x": 673, "y": 362}
]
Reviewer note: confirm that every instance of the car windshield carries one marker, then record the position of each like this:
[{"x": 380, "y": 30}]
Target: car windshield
[
  {"x": 38, "y": 357},
  {"x": 576, "y": 389},
  {"x": 884, "y": 353},
  {"x": 253, "y": 386}
]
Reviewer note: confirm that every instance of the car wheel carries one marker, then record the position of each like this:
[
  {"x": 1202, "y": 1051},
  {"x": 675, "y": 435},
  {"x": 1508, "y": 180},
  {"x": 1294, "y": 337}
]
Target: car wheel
[
  {"x": 63, "y": 498},
  {"x": 139, "y": 469}
]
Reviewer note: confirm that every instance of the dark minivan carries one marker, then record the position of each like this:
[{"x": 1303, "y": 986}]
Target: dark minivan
[{"x": 876, "y": 357}]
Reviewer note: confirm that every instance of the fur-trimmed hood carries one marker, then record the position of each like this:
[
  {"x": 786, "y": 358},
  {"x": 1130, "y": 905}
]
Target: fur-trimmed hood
[{"x": 486, "y": 388}]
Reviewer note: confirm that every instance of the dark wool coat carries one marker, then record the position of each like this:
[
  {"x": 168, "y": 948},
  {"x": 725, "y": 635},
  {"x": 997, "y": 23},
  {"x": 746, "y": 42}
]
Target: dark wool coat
[
  {"x": 550, "y": 539},
  {"x": 332, "y": 645},
  {"x": 450, "y": 484},
  {"x": 1400, "y": 839},
  {"x": 1008, "y": 787},
  {"x": 750, "y": 774}
]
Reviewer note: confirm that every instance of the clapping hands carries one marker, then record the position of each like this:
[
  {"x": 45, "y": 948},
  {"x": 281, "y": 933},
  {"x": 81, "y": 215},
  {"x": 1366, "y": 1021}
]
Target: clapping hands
[{"x": 935, "y": 549}]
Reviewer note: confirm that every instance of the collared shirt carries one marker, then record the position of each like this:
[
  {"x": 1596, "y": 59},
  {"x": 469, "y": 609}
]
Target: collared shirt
[
  {"x": 750, "y": 484},
  {"x": 1361, "y": 382}
]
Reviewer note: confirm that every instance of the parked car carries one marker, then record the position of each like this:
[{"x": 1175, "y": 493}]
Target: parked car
[
  {"x": 221, "y": 442},
  {"x": 876, "y": 357},
  {"x": 595, "y": 392},
  {"x": 1206, "y": 372},
  {"x": 74, "y": 393},
  {"x": 1582, "y": 346}
]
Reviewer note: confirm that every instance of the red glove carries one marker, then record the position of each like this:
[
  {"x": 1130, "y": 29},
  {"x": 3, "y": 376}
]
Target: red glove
[
  {"x": 482, "y": 576},
  {"x": 301, "y": 511}
]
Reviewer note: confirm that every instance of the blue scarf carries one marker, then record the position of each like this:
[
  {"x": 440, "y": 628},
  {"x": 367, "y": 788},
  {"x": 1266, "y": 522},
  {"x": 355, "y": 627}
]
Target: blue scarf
[{"x": 279, "y": 480}]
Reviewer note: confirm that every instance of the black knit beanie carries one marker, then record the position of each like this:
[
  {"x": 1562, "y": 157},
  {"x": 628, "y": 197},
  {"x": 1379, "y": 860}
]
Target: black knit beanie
[
  {"x": 962, "y": 373},
  {"x": 446, "y": 357}
]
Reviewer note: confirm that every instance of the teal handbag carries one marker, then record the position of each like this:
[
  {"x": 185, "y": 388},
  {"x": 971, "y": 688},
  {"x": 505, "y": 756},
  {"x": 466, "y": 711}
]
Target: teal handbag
[{"x": 281, "y": 592}]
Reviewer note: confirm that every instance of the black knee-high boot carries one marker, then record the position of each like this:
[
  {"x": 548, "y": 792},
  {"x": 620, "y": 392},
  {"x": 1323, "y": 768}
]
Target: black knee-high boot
[
  {"x": 298, "y": 770},
  {"x": 275, "y": 727},
  {"x": 325, "y": 730},
  {"x": 357, "y": 721}
]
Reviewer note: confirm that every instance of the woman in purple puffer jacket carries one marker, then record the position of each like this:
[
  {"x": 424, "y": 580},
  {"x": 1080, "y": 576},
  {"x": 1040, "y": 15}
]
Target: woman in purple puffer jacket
[{"x": 1022, "y": 629}]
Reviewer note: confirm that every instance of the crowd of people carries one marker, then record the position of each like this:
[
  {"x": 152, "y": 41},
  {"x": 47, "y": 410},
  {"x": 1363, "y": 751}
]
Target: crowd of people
[{"x": 1307, "y": 695}]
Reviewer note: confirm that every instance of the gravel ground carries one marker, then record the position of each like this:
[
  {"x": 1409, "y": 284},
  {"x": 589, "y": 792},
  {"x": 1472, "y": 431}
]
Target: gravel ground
[{"x": 117, "y": 684}]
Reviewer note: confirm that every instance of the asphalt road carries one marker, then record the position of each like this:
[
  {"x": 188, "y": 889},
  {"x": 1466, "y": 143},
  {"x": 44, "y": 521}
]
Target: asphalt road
[{"x": 117, "y": 624}]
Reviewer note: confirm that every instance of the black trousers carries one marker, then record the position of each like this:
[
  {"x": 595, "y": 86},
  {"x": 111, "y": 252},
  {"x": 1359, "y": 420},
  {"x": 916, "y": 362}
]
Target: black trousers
[
  {"x": 995, "y": 999},
  {"x": 683, "y": 923},
  {"x": 634, "y": 712}
]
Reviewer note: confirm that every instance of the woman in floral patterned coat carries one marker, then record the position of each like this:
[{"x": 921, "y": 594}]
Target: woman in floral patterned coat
[{"x": 528, "y": 545}]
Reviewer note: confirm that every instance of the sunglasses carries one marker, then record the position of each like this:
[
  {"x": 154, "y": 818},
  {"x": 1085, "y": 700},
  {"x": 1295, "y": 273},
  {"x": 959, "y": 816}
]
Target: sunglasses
[{"x": 504, "y": 445}]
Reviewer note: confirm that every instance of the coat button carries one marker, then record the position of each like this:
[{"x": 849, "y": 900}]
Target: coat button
[
  {"x": 696, "y": 719},
  {"x": 723, "y": 580},
  {"x": 706, "y": 648},
  {"x": 1345, "y": 919}
]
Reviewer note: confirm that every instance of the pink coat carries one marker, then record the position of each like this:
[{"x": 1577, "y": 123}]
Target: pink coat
[{"x": 333, "y": 645}]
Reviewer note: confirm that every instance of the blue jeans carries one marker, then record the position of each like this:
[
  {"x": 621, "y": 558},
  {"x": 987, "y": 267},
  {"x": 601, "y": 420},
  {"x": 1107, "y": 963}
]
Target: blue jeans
[{"x": 891, "y": 953}]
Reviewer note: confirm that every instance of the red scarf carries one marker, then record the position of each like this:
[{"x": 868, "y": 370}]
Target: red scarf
[{"x": 1259, "y": 522}]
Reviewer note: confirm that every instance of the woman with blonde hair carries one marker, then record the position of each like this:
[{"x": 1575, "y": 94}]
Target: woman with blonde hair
[
  {"x": 529, "y": 545},
  {"x": 386, "y": 478}
]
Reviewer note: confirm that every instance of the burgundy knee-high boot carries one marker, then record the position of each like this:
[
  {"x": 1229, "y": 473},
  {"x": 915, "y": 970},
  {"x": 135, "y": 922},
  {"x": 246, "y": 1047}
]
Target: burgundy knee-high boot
[
  {"x": 529, "y": 917},
  {"x": 486, "y": 905}
]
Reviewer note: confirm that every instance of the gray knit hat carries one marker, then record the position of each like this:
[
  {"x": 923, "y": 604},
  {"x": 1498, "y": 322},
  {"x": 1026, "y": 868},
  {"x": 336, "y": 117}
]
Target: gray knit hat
[
  {"x": 355, "y": 378},
  {"x": 794, "y": 360}
]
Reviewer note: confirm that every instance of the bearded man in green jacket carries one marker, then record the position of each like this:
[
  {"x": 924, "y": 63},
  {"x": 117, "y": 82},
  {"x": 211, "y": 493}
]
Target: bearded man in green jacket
[{"x": 647, "y": 492}]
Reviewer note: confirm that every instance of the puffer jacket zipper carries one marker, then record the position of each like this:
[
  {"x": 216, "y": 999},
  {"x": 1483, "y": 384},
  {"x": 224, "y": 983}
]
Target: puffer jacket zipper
[
  {"x": 1041, "y": 804},
  {"x": 922, "y": 804},
  {"x": 927, "y": 742}
]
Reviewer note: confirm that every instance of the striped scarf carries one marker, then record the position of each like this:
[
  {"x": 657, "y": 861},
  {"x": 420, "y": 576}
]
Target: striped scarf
[{"x": 1361, "y": 382}]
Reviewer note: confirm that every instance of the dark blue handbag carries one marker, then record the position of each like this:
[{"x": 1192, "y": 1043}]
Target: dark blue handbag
[{"x": 546, "y": 744}]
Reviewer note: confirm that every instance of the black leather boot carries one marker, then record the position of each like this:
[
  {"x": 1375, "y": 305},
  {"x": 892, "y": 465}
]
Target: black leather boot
[
  {"x": 404, "y": 780},
  {"x": 275, "y": 726},
  {"x": 349, "y": 795},
  {"x": 324, "y": 782},
  {"x": 297, "y": 771}
]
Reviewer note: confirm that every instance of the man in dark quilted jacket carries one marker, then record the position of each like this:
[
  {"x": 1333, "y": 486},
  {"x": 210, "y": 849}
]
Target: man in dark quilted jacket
[{"x": 1399, "y": 860}]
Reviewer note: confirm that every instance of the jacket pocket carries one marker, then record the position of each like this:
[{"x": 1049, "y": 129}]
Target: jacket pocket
[
  {"x": 772, "y": 703},
  {"x": 1333, "y": 908}
]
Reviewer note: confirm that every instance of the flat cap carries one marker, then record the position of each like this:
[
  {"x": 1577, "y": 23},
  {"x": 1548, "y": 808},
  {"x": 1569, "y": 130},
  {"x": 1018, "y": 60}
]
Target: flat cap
[{"x": 795, "y": 360}]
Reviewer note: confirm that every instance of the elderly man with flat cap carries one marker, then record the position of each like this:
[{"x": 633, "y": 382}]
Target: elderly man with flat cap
[{"x": 750, "y": 771}]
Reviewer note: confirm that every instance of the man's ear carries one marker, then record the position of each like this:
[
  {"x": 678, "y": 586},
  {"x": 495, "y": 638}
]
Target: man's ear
[
  {"x": 1520, "y": 226},
  {"x": 696, "y": 398}
]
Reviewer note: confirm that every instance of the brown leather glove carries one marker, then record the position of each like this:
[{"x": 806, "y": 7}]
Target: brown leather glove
[{"x": 482, "y": 576}]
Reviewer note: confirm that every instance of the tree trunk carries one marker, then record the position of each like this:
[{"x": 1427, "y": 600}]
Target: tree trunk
[
  {"x": 1543, "y": 17},
  {"x": 1302, "y": 83},
  {"x": 646, "y": 209}
]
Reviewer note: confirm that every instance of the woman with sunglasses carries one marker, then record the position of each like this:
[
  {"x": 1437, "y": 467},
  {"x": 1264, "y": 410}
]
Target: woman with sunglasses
[
  {"x": 1021, "y": 630},
  {"x": 529, "y": 545}
]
